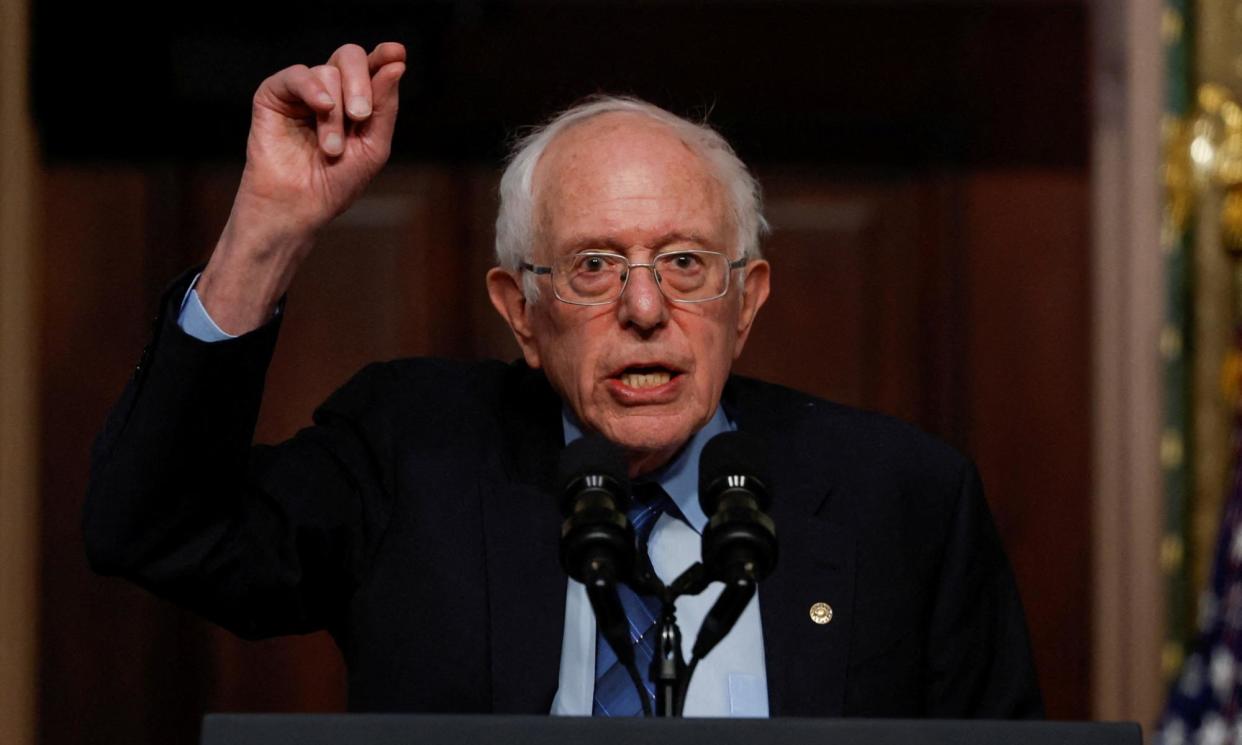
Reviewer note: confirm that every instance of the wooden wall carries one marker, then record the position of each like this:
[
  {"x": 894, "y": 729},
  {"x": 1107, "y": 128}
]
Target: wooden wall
[
  {"x": 19, "y": 422},
  {"x": 954, "y": 299}
]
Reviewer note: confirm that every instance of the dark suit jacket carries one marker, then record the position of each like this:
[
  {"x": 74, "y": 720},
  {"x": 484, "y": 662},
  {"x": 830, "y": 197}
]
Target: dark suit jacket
[{"x": 414, "y": 522}]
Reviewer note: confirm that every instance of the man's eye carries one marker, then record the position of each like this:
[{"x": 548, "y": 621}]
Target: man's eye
[
  {"x": 593, "y": 264},
  {"x": 684, "y": 261}
]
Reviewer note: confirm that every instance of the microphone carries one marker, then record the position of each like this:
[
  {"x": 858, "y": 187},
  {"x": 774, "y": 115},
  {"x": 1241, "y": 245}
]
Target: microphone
[
  {"x": 597, "y": 540},
  {"x": 739, "y": 542}
]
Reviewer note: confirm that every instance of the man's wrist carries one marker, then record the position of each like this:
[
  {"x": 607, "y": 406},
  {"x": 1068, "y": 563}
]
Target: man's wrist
[{"x": 247, "y": 275}]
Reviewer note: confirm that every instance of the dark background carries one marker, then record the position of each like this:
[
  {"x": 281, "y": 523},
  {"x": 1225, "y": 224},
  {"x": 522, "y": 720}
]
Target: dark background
[
  {"x": 926, "y": 172},
  {"x": 864, "y": 83}
]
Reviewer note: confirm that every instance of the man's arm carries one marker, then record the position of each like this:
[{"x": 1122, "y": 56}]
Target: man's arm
[{"x": 262, "y": 540}]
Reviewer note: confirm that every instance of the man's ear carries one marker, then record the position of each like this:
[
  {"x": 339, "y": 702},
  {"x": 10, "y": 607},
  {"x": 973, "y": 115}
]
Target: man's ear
[
  {"x": 505, "y": 290},
  {"x": 754, "y": 295}
]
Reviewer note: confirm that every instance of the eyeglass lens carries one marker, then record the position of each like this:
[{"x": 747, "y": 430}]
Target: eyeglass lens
[{"x": 682, "y": 275}]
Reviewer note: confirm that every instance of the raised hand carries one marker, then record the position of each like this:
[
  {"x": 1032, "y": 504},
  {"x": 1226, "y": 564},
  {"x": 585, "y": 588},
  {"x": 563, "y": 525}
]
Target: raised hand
[{"x": 318, "y": 136}]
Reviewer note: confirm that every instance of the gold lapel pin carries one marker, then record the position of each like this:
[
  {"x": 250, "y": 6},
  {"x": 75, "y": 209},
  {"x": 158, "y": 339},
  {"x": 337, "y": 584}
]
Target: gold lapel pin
[{"x": 821, "y": 613}]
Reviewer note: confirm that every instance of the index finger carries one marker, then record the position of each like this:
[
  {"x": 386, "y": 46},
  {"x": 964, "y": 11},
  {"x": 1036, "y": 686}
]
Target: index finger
[{"x": 292, "y": 88}]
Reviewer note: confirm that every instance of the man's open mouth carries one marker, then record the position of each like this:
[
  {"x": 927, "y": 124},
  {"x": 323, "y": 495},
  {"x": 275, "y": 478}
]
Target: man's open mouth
[{"x": 646, "y": 376}]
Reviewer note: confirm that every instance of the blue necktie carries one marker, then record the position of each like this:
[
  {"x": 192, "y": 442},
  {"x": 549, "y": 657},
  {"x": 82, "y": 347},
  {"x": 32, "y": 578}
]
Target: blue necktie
[{"x": 615, "y": 694}]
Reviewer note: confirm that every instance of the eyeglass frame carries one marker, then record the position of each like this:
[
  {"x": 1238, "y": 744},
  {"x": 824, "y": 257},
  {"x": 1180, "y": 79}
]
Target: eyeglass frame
[{"x": 650, "y": 265}]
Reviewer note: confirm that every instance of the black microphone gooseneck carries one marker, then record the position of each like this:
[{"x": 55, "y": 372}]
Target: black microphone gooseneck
[
  {"x": 739, "y": 542},
  {"x": 597, "y": 540}
]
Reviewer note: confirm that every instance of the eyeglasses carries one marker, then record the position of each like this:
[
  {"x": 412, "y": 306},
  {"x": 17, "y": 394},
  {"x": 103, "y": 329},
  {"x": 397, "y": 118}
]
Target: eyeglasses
[{"x": 600, "y": 278}]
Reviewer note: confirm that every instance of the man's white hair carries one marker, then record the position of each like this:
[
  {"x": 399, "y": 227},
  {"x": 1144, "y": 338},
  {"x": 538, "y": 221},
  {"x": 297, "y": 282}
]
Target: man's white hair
[{"x": 515, "y": 221}]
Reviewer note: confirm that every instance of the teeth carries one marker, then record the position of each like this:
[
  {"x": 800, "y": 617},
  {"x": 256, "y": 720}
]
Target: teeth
[{"x": 645, "y": 380}]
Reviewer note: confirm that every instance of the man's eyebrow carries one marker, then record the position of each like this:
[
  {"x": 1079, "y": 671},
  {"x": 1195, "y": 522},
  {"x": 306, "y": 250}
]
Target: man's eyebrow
[
  {"x": 602, "y": 243},
  {"x": 677, "y": 236},
  {"x": 594, "y": 243}
]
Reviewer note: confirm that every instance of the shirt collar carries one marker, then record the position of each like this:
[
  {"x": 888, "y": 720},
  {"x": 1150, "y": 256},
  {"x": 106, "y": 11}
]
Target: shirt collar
[{"x": 680, "y": 476}]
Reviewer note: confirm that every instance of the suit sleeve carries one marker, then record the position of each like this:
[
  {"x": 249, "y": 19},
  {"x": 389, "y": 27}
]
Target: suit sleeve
[
  {"x": 979, "y": 657},
  {"x": 262, "y": 540}
]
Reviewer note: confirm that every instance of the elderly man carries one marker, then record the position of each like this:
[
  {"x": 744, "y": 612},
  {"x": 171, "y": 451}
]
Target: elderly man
[{"x": 413, "y": 520}]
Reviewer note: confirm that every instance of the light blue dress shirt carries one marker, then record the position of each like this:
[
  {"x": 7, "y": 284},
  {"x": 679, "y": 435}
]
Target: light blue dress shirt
[
  {"x": 729, "y": 682},
  {"x": 195, "y": 321}
]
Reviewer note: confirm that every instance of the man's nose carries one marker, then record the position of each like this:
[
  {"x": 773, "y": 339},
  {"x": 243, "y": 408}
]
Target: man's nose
[{"x": 643, "y": 305}]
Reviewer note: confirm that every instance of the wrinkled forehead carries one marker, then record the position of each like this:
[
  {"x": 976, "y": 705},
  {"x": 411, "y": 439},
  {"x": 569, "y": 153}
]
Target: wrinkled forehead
[{"x": 625, "y": 172}]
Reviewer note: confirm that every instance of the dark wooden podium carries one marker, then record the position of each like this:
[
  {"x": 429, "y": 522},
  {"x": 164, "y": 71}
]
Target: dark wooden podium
[{"x": 414, "y": 729}]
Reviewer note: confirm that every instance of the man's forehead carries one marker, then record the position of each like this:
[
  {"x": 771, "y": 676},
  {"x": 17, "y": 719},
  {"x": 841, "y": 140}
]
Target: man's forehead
[{"x": 599, "y": 174}]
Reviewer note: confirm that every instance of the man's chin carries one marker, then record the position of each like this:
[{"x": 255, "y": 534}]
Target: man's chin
[{"x": 648, "y": 447}]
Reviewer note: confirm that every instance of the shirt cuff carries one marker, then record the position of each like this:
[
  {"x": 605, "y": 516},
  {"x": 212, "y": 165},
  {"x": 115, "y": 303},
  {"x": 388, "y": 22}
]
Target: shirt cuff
[{"x": 195, "y": 321}]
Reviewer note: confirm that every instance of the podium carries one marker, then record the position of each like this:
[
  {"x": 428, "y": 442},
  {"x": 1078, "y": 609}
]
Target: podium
[{"x": 479, "y": 729}]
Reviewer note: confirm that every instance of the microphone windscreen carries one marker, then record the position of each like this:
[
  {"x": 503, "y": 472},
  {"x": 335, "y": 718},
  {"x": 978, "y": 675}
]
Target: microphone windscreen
[
  {"x": 727, "y": 456},
  {"x": 596, "y": 457}
]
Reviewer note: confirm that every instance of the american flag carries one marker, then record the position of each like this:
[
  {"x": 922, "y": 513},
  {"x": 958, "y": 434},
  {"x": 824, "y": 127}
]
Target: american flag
[{"x": 1204, "y": 702}]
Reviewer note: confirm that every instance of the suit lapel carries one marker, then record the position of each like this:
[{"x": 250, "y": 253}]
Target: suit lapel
[
  {"x": 806, "y": 660},
  {"x": 526, "y": 586}
]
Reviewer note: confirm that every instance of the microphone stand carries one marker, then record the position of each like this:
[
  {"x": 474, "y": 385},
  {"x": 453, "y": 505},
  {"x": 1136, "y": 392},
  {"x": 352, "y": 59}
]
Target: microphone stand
[
  {"x": 668, "y": 666},
  {"x": 669, "y": 671}
]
